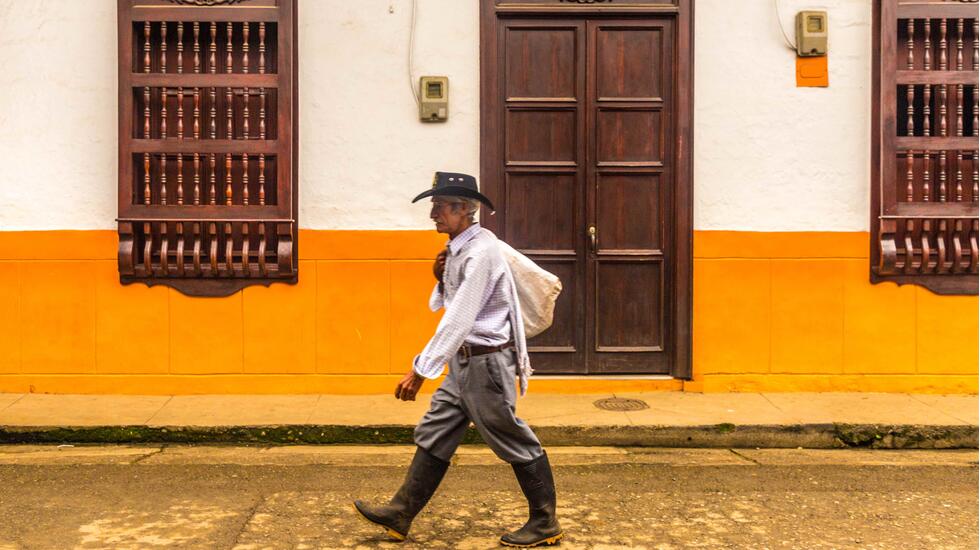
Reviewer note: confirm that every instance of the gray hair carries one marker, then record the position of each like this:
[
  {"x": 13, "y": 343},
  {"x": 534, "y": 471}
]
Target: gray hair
[{"x": 471, "y": 206}]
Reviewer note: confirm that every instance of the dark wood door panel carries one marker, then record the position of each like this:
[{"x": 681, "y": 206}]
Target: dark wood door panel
[
  {"x": 629, "y": 62},
  {"x": 629, "y": 137},
  {"x": 542, "y": 211},
  {"x": 541, "y": 62},
  {"x": 629, "y": 307},
  {"x": 564, "y": 332},
  {"x": 536, "y": 136},
  {"x": 628, "y": 213}
]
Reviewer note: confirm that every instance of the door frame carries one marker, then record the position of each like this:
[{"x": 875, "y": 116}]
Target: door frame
[{"x": 679, "y": 332}]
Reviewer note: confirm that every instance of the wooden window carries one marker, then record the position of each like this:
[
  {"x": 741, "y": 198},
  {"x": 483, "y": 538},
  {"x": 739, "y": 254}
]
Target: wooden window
[
  {"x": 924, "y": 144},
  {"x": 207, "y": 143}
]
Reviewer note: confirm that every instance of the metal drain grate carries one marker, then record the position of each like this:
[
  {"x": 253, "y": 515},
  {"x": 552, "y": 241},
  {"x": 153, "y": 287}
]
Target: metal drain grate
[{"x": 621, "y": 404}]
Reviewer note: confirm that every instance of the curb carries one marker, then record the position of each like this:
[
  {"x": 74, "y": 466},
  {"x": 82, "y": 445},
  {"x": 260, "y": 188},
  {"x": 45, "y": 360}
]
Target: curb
[{"x": 811, "y": 436}]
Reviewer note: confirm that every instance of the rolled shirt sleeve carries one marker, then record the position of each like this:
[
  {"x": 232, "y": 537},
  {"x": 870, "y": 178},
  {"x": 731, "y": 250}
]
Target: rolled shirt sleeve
[
  {"x": 435, "y": 299},
  {"x": 459, "y": 318}
]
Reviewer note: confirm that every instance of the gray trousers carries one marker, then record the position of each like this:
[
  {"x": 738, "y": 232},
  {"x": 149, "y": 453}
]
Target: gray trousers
[{"x": 482, "y": 390}]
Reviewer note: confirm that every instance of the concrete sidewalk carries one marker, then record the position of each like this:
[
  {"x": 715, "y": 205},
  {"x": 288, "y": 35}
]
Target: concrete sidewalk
[{"x": 670, "y": 419}]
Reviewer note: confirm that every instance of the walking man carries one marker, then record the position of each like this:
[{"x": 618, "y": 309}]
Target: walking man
[{"x": 481, "y": 337}]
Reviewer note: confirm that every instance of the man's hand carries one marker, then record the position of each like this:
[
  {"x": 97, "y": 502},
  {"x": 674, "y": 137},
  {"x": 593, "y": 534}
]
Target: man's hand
[
  {"x": 439, "y": 266},
  {"x": 409, "y": 386}
]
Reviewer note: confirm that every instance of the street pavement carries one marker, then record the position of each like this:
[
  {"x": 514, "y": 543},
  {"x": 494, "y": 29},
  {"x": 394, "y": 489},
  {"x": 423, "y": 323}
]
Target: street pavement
[{"x": 124, "y": 497}]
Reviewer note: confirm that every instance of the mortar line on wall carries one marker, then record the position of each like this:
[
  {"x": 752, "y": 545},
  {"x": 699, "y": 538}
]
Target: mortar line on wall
[
  {"x": 770, "y": 305},
  {"x": 95, "y": 328},
  {"x": 915, "y": 327},
  {"x": 316, "y": 317},
  {"x": 390, "y": 323},
  {"x": 843, "y": 317},
  {"x": 241, "y": 298},
  {"x": 20, "y": 319},
  {"x": 170, "y": 332}
]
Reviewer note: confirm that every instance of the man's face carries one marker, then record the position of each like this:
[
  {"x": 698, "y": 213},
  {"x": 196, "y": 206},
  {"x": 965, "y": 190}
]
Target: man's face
[{"x": 448, "y": 216}]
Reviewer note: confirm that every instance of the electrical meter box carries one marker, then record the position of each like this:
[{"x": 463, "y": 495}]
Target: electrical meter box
[
  {"x": 811, "y": 33},
  {"x": 434, "y": 98}
]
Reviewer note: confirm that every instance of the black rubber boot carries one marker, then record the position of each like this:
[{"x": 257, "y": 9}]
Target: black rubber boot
[
  {"x": 421, "y": 481},
  {"x": 539, "y": 487}
]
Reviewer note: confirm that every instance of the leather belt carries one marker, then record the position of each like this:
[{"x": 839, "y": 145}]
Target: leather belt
[{"x": 467, "y": 351}]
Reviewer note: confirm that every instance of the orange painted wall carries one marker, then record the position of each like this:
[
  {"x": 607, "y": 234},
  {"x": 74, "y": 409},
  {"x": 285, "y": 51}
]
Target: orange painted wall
[{"x": 807, "y": 320}]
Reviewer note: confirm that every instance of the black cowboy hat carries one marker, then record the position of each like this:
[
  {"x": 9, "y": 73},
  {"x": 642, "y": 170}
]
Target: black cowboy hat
[{"x": 451, "y": 184}]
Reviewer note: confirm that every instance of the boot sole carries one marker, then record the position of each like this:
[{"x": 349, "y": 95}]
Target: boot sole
[
  {"x": 550, "y": 541},
  {"x": 394, "y": 535}
]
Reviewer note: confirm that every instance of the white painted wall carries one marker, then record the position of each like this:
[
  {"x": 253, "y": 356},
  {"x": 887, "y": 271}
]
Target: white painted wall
[{"x": 768, "y": 156}]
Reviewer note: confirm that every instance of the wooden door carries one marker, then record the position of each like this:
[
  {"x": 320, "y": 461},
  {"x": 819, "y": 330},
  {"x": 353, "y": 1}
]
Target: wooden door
[
  {"x": 579, "y": 153},
  {"x": 629, "y": 76}
]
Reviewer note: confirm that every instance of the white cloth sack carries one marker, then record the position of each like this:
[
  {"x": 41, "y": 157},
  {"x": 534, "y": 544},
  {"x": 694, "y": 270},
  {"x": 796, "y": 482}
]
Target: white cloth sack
[{"x": 537, "y": 290}]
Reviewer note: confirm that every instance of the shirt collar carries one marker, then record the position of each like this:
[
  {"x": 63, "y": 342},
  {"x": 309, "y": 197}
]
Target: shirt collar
[{"x": 456, "y": 244}]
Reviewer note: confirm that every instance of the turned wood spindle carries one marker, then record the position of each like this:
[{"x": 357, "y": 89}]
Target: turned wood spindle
[
  {"x": 213, "y": 49},
  {"x": 926, "y": 176},
  {"x": 180, "y": 47},
  {"x": 197, "y": 113},
  {"x": 180, "y": 112},
  {"x": 959, "y": 176},
  {"x": 245, "y": 179},
  {"x": 147, "y": 30},
  {"x": 261, "y": 180},
  {"x": 927, "y": 45},
  {"x": 228, "y": 187},
  {"x": 163, "y": 179},
  {"x": 245, "y": 29},
  {"x": 976, "y": 179},
  {"x": 262, "y": 47},
  {"x": 212, "y": 180},
  {"x": 163, "y": 113},
  {"x": 180, "y": 179},
  {"x": 229, "y": 46},
  {"x": 163, "y": 47},
  {"x": 197, "y": 179},
  {"x": 197, "y": 47},
  {"x": 909, "y": 176},
  {"x": 942, "y": 176},
  {"x": 229, "y": 112},
  {"x": 147, "y": 185},
  {"x": 213, "y": 124},
  {"x": 146, "y": 113},
  {"x": 262, "y": 113},
  {"x": 246, "y": 98}
]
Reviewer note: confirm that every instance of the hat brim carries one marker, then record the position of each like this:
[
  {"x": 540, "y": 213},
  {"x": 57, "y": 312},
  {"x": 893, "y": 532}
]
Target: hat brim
[{"x": 454, "y": 191}]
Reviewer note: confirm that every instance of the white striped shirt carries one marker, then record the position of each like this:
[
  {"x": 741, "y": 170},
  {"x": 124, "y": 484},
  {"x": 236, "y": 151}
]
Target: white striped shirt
[{"x": 481, "y": 305}]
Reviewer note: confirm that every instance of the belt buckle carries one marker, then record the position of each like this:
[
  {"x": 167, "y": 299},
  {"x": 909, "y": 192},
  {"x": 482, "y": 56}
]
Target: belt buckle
[{"x": 466, "y": 351}]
